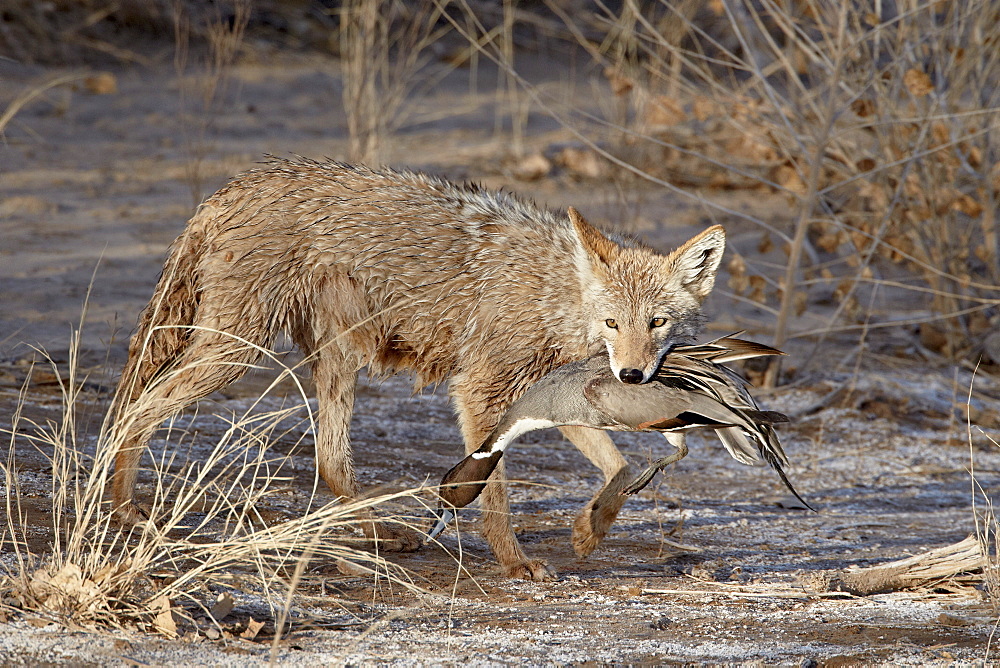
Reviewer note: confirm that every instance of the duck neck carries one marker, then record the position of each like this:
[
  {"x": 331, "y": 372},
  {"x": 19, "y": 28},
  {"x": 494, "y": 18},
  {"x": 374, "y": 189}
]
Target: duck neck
[{"x": 507, "y": 431}]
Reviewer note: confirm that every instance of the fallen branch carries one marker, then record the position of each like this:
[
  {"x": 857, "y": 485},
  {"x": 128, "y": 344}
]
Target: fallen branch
[{"x": 922, "y": 569}]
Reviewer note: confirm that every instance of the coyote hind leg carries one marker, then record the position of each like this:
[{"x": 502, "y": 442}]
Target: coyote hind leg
[{"x": 208, "y": 362}]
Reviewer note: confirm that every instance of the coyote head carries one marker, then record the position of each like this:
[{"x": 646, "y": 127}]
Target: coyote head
[{"x": 640, "y": 303}]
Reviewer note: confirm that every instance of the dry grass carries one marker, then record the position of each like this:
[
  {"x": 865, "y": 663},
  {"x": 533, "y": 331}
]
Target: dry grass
[
  {"x": 207, "y": 533},
  {"x": 29, "y": 95},
  {"x": 985, "y": 518}
]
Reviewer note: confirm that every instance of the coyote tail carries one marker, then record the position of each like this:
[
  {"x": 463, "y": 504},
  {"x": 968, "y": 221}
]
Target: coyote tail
[{"x": 164, "y": 325}]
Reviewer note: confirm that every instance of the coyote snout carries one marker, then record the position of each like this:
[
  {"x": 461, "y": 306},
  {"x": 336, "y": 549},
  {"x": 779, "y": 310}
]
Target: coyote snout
[
  {"x": 644, "y": 304},
  {"x": 400, "y": 271}
]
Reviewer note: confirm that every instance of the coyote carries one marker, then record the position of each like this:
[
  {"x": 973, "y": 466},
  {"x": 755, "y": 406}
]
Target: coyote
[{"x": 396, "y": 270}]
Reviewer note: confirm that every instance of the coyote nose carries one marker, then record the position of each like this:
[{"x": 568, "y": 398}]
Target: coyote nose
[{"x": 630, "y": 376}]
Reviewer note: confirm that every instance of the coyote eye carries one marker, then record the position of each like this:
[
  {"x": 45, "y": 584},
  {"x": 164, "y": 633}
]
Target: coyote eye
[
  {"x": 657, "y": 322},
  {"x": 610, "y": 322}
]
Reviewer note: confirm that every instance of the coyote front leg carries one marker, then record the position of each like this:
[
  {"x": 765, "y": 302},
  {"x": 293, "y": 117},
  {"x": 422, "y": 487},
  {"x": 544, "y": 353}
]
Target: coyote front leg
[
  {"x": 593, "y": 522},
  {"x": 478, "y": 413}
]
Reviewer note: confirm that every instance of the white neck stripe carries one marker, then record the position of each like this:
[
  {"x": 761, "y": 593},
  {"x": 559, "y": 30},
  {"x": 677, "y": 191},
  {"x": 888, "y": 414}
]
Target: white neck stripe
[{"x": 522, "y": 426}]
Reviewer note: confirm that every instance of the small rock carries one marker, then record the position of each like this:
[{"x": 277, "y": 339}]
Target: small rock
[
  {"x": 580, "y": 162},
  {"x": 662, "y": 624},
  {"x": 532, "y": 167},
  {"x": 102, "y": 83},
  {"x": 947, "y": 619}
]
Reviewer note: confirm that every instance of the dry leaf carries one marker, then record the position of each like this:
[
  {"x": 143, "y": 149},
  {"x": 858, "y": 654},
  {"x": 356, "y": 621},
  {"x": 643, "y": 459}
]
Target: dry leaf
[
  {"x": 765, "y": 244},
  {"x": 801, "y": 302},
  {"x": 865, "y": 164},
  {"x": 934, "y": 337},
  {"x": 788, "y": 178},
  {"x": 974, "y": 155},
  {"x": 863, "y": 107},
  {"x": 758, "y": 285},
  {"x": 664, "y": 111},
  {"x": 224, "y": 604},
  {"x": 917, "y": 82},
  {"x": 751, "y": 149},
  {"x": 829, "y": 241},
  {"x": 620, "y": 84},
  {"x": 704, "y": 108},
  {"x": 894, "y": 246},
  {"x": 940, "y": 132},
  {"x": 968, "y": 206},
  {"x": 737, "y": 267},
  {"x": 164, "y": 620},
  {"x": 253, "y": 628}
]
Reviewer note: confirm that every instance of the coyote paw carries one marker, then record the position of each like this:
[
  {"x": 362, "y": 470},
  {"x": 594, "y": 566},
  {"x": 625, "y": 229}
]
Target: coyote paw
[
  {"x": 535, "y": 570},
  {"x": 129, "y": 514},
  {"x": 391, "y": 538},
  {"x": 595, "y": 519},
  {"x": 587, "y": 533}
]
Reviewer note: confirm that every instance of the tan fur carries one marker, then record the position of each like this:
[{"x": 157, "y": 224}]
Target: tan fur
[{"x": 400, "y": 271}]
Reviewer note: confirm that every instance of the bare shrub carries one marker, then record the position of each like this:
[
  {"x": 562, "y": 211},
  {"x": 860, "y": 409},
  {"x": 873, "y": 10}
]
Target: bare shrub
[
  {"x": 203, "y": 76},
  {"x": 877, "y": 124},
  {"x": 384, "y": 45}
]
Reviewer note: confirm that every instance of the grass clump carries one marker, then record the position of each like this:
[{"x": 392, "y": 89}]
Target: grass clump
[{"x": 211, "y": 528}]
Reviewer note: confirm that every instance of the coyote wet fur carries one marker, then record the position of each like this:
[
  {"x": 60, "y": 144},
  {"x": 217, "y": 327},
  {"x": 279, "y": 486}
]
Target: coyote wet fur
[{"x": 400, "y": 271}]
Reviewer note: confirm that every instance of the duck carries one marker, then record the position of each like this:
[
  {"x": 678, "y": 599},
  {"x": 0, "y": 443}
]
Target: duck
[{"x": 692, "y": 389}]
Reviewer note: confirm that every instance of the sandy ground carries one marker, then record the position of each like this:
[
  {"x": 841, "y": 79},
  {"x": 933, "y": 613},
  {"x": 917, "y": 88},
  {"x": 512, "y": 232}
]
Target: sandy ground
[{"x": 97, "y": 185}]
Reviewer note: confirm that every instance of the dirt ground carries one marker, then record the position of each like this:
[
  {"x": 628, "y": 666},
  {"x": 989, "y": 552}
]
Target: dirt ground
[{"x": 711, "y": 564}]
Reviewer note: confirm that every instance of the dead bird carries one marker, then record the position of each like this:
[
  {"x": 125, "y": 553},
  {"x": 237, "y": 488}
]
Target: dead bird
[{"x": 692, "y": 389}]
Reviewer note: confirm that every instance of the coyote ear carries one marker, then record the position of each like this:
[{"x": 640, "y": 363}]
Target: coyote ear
[
  {"x": 596, "y": 244},
  {"x": 697, "y": 261}
]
